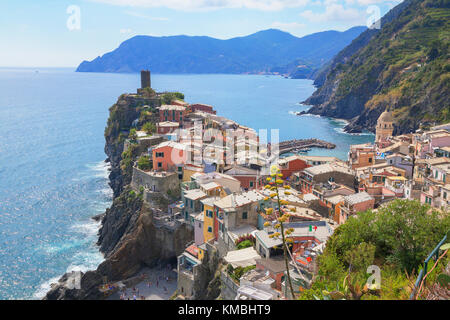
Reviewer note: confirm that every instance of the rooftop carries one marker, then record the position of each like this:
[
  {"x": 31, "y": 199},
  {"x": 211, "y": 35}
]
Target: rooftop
[
  {"x": 194, "y": 194},
  {"x": 210, "y": 185},
  {"x": 326, "y": 168},
  {"x": 358, "y": 198},
  {"x": 236, "y": 200},
  {"x": 168, "y": 124},
  {"x": 267, "y": 242},
  {"x": 171, "y": 144},
  {"x": 310, "y": 197},
  {"x": 209, "y": 201},
  {"x": 335, "y": 199},
  {"x": 172, "y": 107}
]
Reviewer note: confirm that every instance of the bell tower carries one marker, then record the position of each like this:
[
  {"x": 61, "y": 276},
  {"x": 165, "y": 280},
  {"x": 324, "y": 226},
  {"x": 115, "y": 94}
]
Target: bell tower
[{"x": 385, "y": 126}]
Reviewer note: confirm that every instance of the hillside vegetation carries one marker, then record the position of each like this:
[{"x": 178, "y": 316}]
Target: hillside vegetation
[
  {"x": 404, "y": 66},
  {"x": 397, "y": 239}
]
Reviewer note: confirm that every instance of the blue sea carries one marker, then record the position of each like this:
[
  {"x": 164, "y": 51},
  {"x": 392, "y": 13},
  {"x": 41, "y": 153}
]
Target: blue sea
[{"x": 53, "y": 177}]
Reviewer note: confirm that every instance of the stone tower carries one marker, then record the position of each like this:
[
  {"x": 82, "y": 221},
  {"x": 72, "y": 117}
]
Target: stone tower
[
  {"x": 385, "y": 126},
  {"x": 145, "y": 79}
]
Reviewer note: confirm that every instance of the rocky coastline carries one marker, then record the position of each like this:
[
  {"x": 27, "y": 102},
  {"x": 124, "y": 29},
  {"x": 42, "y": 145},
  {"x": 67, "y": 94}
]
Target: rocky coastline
[{"x": 128, "y": 237}]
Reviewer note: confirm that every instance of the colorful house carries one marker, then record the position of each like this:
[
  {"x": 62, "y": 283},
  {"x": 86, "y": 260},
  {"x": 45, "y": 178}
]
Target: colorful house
[
  {"x": 208, "y": 218},
  {"x": 172, "y": 113},
  {"x": 170, "y": 156},
  {"x": 291, "y": 164},
  {"x": 249, "y": 178}
]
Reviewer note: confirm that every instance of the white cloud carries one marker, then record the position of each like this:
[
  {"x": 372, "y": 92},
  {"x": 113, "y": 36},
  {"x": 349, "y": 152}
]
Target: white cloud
[
  {"x": 189, "y": 5},
  {"x": 336, "y": 13}
]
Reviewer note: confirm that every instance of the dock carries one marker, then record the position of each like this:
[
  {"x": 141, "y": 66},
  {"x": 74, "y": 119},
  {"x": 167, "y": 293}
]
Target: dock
[{"x": 298, "y": 145}]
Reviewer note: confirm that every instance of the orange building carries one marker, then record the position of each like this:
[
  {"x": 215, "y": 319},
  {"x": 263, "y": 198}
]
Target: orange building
[
  {"x": 362, "y": 155},
  {"x": 169, "y": 156},
  {"x": 291, "y": 164}
]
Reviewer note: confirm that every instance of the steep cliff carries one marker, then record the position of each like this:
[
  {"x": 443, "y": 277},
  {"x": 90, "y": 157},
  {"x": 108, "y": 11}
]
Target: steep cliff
[
  {"x": 405, "y": 66},
  {"x": 128, "y": 237}
]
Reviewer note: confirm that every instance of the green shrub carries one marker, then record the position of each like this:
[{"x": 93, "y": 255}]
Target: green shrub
[
  {"x": 245, "y": 244},
  {"x": 144, "y": 163},
  {"x": 149, "y": 128}
]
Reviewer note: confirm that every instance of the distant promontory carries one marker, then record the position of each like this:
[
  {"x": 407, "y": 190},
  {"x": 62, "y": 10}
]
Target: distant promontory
[{"x": 268, "y": 51}]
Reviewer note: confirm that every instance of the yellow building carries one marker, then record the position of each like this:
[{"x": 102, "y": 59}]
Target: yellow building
[
  {"x": 208, "y": 222},
  {"x": 385, "y": 126}
]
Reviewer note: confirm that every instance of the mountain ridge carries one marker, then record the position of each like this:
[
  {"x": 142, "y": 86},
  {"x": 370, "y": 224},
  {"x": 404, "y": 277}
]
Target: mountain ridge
[
  {"x": 259, "y": 52},
  {"x": 404, "y": 67}
]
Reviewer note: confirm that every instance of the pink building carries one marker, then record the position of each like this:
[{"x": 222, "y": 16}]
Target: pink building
[
  {"x": 202, "y": 107},
  {"x": 166, "y": 127}
]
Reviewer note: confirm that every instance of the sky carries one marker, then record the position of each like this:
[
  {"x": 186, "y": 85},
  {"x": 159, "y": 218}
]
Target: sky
[{"x": 63, "y": 33}]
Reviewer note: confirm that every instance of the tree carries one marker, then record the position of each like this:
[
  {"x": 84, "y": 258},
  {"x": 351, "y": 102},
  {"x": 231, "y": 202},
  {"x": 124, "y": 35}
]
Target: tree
[
  {"x": 132, "y": 135},
  {"x": 167, "y": 98},
  {"x": 144, "y": 163},
  {"x": 149, "y": 128},
  {"x": 275, "y": 181},
  {"x": 407, "y": 231}
]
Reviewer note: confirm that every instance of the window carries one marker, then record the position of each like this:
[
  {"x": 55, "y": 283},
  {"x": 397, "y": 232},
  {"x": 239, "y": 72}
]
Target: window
[
  {"x": 244, "y": 215},
  {"x": 159, "y": 164},
  {"x": 251, "y": 184},
  {"x": 209, "y": 229},
  {"x": 160, "y": 154},
  {"x": 444, "y": 195},
  {"x": 370, "y": 160}
]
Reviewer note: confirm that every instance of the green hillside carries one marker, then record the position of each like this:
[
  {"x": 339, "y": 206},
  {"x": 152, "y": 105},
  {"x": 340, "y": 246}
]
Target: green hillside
[{"x": 405, "y": 66}]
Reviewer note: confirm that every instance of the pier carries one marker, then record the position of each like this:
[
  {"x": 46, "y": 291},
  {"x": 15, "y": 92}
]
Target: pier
[{"x": 299, "y": 145}]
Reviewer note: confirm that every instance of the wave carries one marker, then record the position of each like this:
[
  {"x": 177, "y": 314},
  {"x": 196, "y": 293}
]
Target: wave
[
  {"x": 44, "y": 288},
  {"x": 101, "y": 168},
  {"x": 83, "y": 262},
  {"x": 88, "y": 228}
]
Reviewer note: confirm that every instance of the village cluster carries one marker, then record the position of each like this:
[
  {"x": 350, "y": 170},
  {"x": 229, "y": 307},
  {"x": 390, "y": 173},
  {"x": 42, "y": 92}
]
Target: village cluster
[{"x": 223, "y": 199}]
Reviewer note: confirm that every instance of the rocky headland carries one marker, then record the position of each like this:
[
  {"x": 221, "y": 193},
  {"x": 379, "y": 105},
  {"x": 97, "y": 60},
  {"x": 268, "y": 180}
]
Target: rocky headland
[{"x": 128, "y": 237}]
